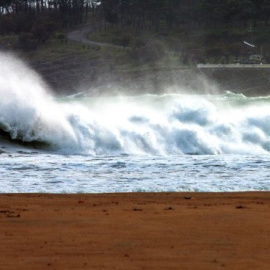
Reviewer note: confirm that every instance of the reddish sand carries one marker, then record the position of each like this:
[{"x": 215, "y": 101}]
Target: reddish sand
[{"x": 135, "y": 231}]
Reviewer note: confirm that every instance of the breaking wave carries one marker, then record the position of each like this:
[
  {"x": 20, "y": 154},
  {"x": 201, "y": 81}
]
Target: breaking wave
[{"x": 168, "y": 124}]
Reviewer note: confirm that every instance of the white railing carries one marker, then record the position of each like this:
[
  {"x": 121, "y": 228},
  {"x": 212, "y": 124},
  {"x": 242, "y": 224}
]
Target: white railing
[{"x": 233, "y": 65}]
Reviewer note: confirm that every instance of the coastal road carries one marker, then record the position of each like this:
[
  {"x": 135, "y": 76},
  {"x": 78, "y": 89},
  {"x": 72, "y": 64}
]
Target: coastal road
[{"x": 80, "y": 35}]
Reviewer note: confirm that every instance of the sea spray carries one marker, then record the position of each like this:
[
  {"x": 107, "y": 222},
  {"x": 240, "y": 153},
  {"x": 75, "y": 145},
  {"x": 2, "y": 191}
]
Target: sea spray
[{"x": 27, "y": 111}]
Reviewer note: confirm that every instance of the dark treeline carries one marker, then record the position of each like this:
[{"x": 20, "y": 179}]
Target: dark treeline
[
  {"x": 189, "y": 13},
  {"x": 143, "y": 14},
  {"x": 66, "y": 12},
  {"x": 35, "y": 20}
]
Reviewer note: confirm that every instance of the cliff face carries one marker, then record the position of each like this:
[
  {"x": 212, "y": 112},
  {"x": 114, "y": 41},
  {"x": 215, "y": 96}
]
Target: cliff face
[{"x": 74, "y": 75}]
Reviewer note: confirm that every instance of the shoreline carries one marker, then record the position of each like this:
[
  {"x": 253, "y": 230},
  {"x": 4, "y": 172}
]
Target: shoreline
[{"x": 186, "y": 230}]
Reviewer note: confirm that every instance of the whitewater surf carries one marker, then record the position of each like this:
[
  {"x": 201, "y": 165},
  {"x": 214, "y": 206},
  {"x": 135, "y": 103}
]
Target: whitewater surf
[{"x": 148, "y": 142}]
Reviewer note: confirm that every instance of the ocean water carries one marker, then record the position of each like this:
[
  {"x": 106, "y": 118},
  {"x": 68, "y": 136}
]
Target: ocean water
[{"x": 168, "y": 142}]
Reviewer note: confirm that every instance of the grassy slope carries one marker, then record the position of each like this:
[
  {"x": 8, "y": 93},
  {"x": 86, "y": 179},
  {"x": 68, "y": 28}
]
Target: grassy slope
[
  {"x": 57, "y": 49},
  {"x": 65, "y": 65}
]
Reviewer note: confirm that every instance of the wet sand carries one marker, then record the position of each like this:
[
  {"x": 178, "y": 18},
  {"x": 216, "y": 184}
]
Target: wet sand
[{"x": 135, "y": 231}]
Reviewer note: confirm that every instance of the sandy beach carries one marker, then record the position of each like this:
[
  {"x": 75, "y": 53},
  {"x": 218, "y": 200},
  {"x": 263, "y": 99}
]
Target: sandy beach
[{"x": 135, "y": 231}]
